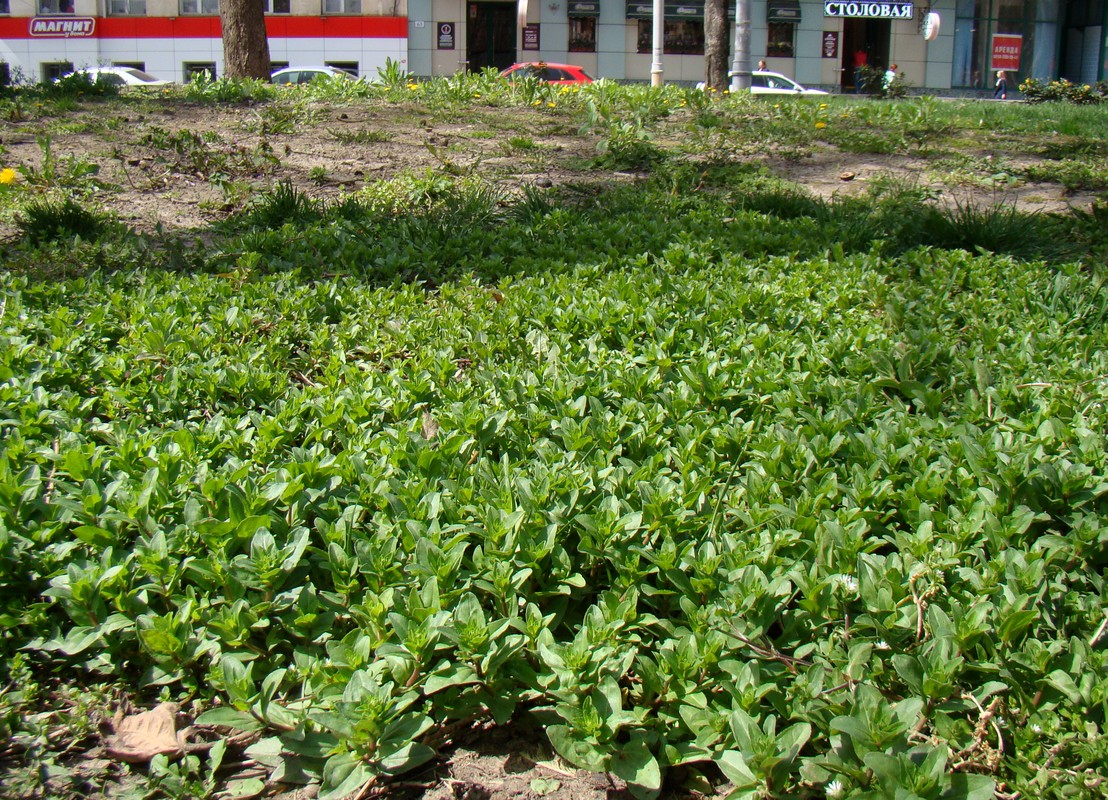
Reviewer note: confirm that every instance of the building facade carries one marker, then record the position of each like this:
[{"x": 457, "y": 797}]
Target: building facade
[{"x": 946, "y": 46}]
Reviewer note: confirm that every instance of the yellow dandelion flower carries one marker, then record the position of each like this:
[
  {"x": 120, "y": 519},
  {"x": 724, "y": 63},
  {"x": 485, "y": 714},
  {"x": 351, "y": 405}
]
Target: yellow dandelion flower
[
  {"x": 822, "y": 106},
  {"x": 537, "y": 103},
  {"x": 551, "y": 104},
  {"x": 7, "y": 175},
  {"x": 821, "y": 124}
]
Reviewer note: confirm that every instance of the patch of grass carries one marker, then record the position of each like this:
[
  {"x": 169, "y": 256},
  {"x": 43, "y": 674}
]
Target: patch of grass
[
  {"x": 58, "y": 220},
  {"x": 1089, "y": 174},
  {"x": 281, "y": 205}
]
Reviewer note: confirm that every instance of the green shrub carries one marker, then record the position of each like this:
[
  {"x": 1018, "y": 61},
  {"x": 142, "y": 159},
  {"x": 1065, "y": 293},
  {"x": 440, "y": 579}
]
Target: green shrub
[
  {"x": 628, "y": 147},
  {"x": 1082, "y": 94}
]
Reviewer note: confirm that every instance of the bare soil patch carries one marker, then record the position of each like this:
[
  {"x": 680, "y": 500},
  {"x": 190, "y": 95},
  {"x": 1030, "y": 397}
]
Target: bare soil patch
[{"x": 182, "y": 166}]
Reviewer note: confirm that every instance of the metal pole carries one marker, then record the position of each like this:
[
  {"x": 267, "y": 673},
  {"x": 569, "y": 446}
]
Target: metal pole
[
  {"x": 521, "y": 20},
  {"x": 740, "y": 65},
  {"x": 659, "y": 42}
]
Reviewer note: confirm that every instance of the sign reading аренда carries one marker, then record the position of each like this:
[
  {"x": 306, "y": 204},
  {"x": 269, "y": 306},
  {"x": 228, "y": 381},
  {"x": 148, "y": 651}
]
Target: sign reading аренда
[{"x": 837, "y": 8}]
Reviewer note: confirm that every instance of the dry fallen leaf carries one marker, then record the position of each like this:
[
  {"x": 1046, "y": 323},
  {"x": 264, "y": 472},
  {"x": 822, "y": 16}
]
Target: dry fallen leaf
[
  {"x": 430, "y": 427},
  {"x": 140, "y": 737}
]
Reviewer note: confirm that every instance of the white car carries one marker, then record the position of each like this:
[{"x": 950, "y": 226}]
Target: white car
[
  {"x": 120, "y": 76},
  {"x": 308, "y": 74},
  {"x": 763, "y": 82}
]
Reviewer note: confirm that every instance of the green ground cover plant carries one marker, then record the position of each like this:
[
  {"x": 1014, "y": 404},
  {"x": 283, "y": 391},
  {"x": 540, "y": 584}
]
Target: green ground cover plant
[{"x": 788, "y": 496}]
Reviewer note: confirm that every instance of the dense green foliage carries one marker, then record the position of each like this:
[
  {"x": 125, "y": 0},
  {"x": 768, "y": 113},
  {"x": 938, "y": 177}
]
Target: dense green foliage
[
  {"x": 807, "y": 495},
  {"x": 1037, "y": 91}
]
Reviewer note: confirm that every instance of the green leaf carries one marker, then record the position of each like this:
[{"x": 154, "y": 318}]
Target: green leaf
[
  {"x": 732, "y": 764},
  {"x": 577, "y": 751},
  {"x": 229, "y": 717},
  {"x": 343, "y": 775},
  {"x": 964, "y": 786},
  {"x": 244, "y": 788},
  {"x": 634, "y": 763}
]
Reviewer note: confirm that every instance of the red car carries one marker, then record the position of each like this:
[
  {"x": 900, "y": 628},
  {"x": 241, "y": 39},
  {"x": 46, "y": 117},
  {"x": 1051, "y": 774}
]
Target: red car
[{"x": 548, "y": 72}]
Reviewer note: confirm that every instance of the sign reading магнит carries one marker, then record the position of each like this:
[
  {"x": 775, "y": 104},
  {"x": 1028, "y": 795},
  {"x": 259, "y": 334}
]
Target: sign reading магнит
[
  {"x": 61, "y": 27},
  {"x": 836, "y": 8}
]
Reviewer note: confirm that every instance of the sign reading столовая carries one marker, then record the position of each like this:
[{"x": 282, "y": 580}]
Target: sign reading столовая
[{"x": 835, "y": 8}]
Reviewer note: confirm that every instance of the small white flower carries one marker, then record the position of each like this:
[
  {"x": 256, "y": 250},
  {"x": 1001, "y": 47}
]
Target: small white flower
[
  {"x": 1036, "y": 729},
  {"x": 882, "y": 645},
  {"x": 835, "y": 788},
  {"x": 848, "y": 582}
]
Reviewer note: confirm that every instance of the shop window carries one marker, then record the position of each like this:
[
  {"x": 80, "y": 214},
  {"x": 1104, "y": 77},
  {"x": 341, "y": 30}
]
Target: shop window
[
  {"x": 582, "y": 34},
  {"x": 342, "y": 6},
  {"x": 205, "y": 7},
  {"x": 55, "y": 6},
  {"x": 126, "y": 8},
  {"x": 780, "y": 42},
  {"x": 682, "y": 37},
  {"x": 52, "y": 70},
  {"x": 194, "y": 69},
  {"x": 277, "y": 7}
]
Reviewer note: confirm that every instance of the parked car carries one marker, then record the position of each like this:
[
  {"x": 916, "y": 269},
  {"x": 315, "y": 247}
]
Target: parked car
[
  {"x": 119, "y": 76},
  {"x": 763, "y": 82},
  {"x": 308, "y": 74},
  {"x": 565, "y": 74}
]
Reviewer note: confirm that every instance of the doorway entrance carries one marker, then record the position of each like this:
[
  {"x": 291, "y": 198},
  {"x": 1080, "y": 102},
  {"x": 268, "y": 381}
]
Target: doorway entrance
[
  {"x": 490, "y": 35},
  {"x": 864, "y": 36}
]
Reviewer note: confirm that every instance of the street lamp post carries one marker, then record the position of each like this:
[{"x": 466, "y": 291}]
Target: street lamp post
[
  {"x": 659, "y": 42},
  {"x": 740, "y": 65}
]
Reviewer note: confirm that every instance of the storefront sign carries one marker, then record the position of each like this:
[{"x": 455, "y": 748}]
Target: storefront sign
[
  {"x": 781, "y": 10},
  {"x": 579, "y": 8},
  {"x": 446, "y": 35},
  {"x": 833, "y": 8},
  {"x": 62, "y": 27},
  {"x": 830, "y": 44},
  {"x": 688, "y": 10},
  {"x": 1007, "y": 48},
  {"x": 531, "y": 37}
]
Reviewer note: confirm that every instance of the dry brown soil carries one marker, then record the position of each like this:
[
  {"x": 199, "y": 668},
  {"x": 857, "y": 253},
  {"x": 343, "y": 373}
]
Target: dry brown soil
[{"x": 151, "y": 179}]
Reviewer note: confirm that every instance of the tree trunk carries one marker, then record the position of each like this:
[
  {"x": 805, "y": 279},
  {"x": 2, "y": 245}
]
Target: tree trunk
[
  {"x": 715, "y": 44},
  {"x": 245, "y": 44}
]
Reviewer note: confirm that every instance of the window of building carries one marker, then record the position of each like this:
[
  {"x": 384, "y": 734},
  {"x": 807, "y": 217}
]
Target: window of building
[
  {"x": 194, "y": 69},
  {"x": 781, "y": 38},
  {"x": 5, "y": 7},
  {"x": 5, "y": 74},
  {"x": 52, "y": 70},
  {"x": 55, "y": 6},
  {"x": 681, "y": 37},
  {"x": 205, "y": 7},
  {"x": 277, "y": 6},
  {"x": 276, "y": 65},
  {"x": 999, "y": 34},
  {"x": 582, "y": 34},
  {"x": 139, "y": 65},
  {"x": 342, "y": 6},
  {"x": 126, "y": 8}
]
